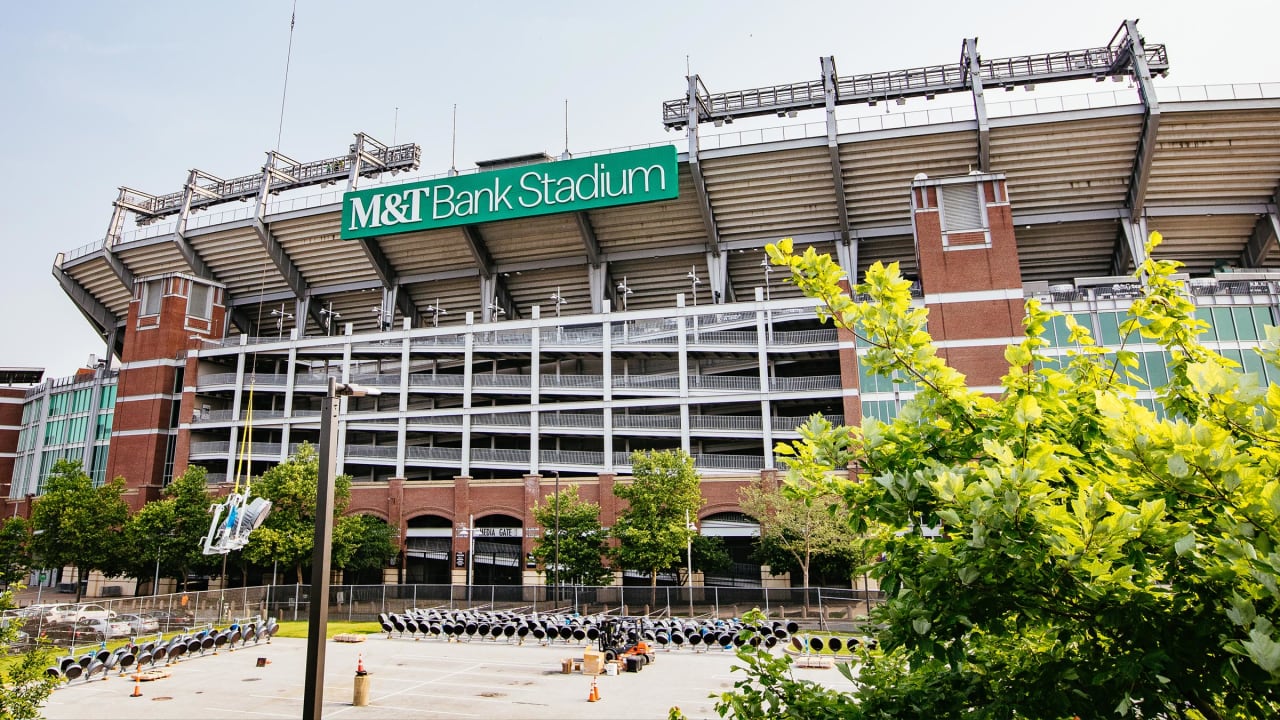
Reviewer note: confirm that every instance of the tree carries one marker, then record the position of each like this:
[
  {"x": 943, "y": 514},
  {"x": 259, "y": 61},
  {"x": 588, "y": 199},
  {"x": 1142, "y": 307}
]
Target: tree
[
  {"x": 582, "y": 539},
  {"x": 15, "y": 550},
  {"x": 171, "y": 530},
  {"x": 363, "y": 543},
  {"x": 24, "y": 685},
  {"x": 1096, "y": 558},
  {"x": 287, "y": 535},
  {"x": 803, "y": 520},
  {"x": 663, "y": 497},
  {"x": 78, "y": 525}
]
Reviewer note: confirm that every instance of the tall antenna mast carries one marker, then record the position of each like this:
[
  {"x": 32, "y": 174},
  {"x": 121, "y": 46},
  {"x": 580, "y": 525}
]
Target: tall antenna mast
[
  {"x": 566, "y": 130},
  {"x": 287, "y": 57},
  {"x": 453, "y": 147},
  {"x": 395, "y": 125}
]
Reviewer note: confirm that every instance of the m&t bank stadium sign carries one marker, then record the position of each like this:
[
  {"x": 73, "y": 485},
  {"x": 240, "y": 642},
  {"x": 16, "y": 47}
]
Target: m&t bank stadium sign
[{"x": 624, "y": 178}]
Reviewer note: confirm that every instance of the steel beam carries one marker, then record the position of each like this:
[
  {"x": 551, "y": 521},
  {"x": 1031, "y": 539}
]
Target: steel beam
[
  {"x": 833, "y": 144},
  {"x": 492, "y": 287},
  {"x": 102, "y": 319},
  {"x": 695, "y": 169},
  {"x": 1265, "y": 235},
  {"x": 970, "y": 64},
  {"x": 599, "y": 279},
  {"x": 271, "y": 173},
  {"x": 367, "y": 152},
  {"x": 1131, "y": 56}
]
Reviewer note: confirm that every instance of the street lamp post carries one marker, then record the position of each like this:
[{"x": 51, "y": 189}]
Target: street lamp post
[
  {"x": 689, "y": 558},
  {"x": 318, "y": 612},
  {"x": 469, "y": 532},
  {"x": 556, "y": 559}
]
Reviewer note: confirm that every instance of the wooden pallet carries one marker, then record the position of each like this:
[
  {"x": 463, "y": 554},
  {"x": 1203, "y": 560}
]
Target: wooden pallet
[
  {"x": 349, "y": 638},
  {"x": 149, "y": 675}
]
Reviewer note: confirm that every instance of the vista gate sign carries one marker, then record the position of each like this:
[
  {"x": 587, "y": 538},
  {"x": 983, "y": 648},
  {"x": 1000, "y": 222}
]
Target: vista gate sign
[{"x": 624, "y": 178}]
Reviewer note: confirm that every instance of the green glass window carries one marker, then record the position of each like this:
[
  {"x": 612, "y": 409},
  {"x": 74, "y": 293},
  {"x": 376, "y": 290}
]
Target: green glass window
[
  {"x": 107, "y": 399},
  {"x": 103, "y": 431},
  {"x": 1223, "y": 324},
  {"x": 1204, "y": 314},
  {"x": 1245, "y": 328}
]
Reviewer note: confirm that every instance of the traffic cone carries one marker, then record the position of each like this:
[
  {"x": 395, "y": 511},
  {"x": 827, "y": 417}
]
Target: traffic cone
[
  {"x": 594, "y": 695},
  {"x": 360, "y": 664},
  {"x": 137, "y": 685}
]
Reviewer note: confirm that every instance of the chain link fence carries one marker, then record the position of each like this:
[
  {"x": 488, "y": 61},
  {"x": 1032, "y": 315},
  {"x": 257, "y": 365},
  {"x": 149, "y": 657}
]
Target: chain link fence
[{"x": 71, "y": 625}]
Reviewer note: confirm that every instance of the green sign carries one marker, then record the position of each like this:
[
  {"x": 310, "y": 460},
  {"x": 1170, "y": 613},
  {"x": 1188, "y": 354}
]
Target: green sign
[{"x": 623, "y": 178}]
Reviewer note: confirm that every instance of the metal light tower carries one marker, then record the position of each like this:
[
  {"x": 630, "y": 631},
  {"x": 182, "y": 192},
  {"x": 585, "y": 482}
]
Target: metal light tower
[{"x": 318, "y": 613}]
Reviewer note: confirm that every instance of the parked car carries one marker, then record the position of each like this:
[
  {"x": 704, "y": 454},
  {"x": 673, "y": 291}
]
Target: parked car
[
  {"x": 139, "y": 624},
  {"x": 170, "y": 620},
  {"x": 66, "y": 613},
  {"x": 97, "y": 612},
  {"x": 102, "y": 629},
  {"x": 71, "y": 612}
]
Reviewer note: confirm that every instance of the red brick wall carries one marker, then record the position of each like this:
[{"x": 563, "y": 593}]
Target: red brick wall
[
  {"x": 139, "y": 431},
  {"x": 970, "y": 270},
  {"x": 10, "y": 427}
]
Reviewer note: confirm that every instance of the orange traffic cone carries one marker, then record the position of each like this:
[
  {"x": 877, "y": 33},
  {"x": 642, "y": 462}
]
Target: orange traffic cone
[
  {"x": 594, "y": 695},
  {"x": 137, "y": 685},
  {"x": 360, "y": 664}
]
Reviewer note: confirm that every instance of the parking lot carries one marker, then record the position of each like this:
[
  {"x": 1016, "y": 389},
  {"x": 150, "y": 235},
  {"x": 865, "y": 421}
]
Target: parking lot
[{"x": 414, "y": 679}]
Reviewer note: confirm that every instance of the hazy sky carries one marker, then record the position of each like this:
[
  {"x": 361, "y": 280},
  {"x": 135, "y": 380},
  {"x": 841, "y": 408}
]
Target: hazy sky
[{"x": 102, "y": 94}]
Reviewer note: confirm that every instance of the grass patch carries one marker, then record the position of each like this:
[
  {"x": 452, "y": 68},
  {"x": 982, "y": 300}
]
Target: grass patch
[{"x": 298, "y": 628}]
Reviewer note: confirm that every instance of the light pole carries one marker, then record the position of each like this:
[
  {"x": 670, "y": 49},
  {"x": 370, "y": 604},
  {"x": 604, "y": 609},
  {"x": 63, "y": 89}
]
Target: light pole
[
  {"x": 469, "y": 531},
  {"x": 556, "y": 559},
  {"x": 689, "y": 557},
  {"x": 625, "y": 290},
  {"x": 281, "y": 316},
  {"x": 318, "y": 612}
]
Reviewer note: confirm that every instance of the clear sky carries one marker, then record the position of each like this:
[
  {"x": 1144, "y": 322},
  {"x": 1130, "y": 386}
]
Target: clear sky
[{"x": 102, "y": 94}]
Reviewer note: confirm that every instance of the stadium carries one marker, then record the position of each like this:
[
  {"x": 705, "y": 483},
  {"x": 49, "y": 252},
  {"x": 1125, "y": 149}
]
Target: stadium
[{"x": 528, "y": 323}]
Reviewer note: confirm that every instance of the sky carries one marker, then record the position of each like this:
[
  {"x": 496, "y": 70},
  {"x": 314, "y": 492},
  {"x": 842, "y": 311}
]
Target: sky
[{"x": 98, "y": 95}]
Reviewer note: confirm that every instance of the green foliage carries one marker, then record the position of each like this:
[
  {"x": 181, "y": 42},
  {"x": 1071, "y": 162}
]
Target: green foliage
[
  {"x": 710, "y": 554},
  {"x": 15, "y": 550},
  {"x": 78, "y": 524},
  {"x": 23, "y": 685},
  {"x": 1095, "y": 559},
  {"x": 172, "y": 530},
  {"x": 363, "y": 542},
  {"x": 769, "y": 690},
  {"x": 803, "y": 522},
  {"x": 664, "y": 495},
  {"x": 582, "y": 539},
  {"x": 288, "y": 533}
]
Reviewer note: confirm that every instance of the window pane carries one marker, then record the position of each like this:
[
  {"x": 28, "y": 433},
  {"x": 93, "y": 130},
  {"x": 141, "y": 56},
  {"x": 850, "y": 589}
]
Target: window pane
[
  {"x": 1206, "y": 315},
  {"x": 1223, "y": 325},
  {"x": 1243, "y": 318}
]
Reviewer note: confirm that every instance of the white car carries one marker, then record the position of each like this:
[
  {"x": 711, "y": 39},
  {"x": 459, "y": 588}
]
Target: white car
[
  {"x": 105, "y": 629},
  {"x": 140, "y": 625},
  {"x": 96, "y": 612}
]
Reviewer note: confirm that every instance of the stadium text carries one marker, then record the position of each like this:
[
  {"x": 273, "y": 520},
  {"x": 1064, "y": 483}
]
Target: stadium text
[{"x": 633, "y": 176}]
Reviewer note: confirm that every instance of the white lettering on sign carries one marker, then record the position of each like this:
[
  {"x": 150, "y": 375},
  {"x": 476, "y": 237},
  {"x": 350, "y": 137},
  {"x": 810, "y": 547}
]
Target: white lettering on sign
[{"x": 499, "y": 532}]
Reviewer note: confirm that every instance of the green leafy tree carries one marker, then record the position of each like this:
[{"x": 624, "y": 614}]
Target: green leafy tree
[
  {"x": 15, "y": 550},
  {"x": 582, "y": 539},
  {"x": 663, "y": 497},
  {"x": 363, "y": 542},
  {"x": 172, "y": 530},
  {"x": 24, "y": 686},
  {"x": 288, "y": 533},
  {"x": 79, "y": 525},
  {"x": 804, "y": 521},
  {"x": 1097, "y": 558},
  {"x": 710, "y": 554}
]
